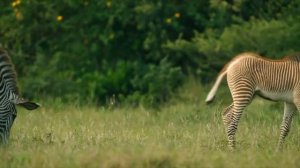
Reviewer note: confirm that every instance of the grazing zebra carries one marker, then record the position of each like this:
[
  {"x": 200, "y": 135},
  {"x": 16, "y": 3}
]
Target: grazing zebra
[
  {"x": 248, "y": 75},
  {"x": 9, "y": 96}
]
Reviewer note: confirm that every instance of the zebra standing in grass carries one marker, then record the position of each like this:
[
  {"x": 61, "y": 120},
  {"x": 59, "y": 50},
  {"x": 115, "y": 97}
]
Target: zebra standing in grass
[
  {"x": 249, "y": 74},
  {"x": 9, "y": 96}
]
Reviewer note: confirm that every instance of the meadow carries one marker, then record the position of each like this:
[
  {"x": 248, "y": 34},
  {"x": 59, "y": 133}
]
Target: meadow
[{"x": 182, "y": 133}]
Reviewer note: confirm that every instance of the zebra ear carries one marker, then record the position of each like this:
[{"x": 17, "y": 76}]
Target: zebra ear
[{"x": 27, "y": 104}]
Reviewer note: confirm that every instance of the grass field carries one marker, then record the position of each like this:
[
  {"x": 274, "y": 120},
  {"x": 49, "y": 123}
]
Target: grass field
[{"x": 184, "y": 133}]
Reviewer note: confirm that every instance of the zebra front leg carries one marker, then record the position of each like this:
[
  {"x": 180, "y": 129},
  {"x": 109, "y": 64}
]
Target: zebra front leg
[{"x": 286, "y": 123}]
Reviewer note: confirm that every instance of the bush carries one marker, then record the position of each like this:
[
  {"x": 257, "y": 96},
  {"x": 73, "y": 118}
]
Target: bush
[
  {"x": 273, "y": 39},
  {"x": 106, "y": 49},
  {"x": 136, "y": 51},
  {"x": 154, "y": 84}
]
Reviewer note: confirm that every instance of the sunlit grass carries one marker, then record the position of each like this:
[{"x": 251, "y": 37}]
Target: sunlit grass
[{"x": 184, "y": 133}]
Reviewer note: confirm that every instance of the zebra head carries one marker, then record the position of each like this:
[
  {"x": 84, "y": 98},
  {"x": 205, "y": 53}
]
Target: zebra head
[
  {"x": 8, "y": 113},
  {"x": 9, "y": 96}
]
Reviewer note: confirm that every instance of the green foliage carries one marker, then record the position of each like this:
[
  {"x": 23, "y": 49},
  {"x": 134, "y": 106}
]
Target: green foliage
[
  {"x": 256, "y": 36},
  {"x": 96, "y": 50},
  {"x": 273, "y": 38},
  {"x": 154, "y": 83},
  {"x": 91, "y": 50}
]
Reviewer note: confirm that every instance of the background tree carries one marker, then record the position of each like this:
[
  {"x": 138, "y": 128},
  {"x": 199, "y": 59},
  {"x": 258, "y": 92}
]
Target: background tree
[{"x": 137, "y": 51}]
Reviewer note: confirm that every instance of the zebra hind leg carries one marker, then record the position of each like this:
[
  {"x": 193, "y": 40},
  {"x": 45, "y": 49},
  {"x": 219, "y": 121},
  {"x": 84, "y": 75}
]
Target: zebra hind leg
[
  {"x": 227, "y": 115},
  {"x": 232, "y": 126},
  {"x": 286, "y": 123},
  {"x": 240, "y": 101}
]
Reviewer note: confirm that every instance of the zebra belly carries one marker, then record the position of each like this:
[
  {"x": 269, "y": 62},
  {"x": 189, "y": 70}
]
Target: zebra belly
[{"x": 276, "y": 96}]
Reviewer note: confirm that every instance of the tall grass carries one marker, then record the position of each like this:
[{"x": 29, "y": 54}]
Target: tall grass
[{"x": 184, "y": 133}]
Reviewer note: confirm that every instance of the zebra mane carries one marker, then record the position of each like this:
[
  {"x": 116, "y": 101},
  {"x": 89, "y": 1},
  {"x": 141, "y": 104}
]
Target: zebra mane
[
  {"x": 294, "y": 57},
  {"x": 7, "y": 66}
]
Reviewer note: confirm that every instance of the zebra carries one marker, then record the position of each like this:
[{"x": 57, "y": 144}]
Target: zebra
[
  {"x": 249, "y": 74},
  {"x": 9, "y": 96}
]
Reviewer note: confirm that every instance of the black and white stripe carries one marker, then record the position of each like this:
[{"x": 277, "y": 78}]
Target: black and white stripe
[
  {"x": 9, "y": 97},
  {"x": 248, "y": 75}
]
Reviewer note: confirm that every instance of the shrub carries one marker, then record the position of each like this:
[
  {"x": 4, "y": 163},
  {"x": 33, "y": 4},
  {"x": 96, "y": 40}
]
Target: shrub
[
  {"x": 273, "y": 39},
  {"x": 136, "y": 51}
]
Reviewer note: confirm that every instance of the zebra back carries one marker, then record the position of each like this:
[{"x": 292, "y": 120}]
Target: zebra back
[{"x": 295, "y": 57}]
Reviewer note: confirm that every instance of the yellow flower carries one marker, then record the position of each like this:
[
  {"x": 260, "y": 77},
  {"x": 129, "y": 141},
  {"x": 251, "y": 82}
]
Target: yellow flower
[
  {"x": 59, "y": 18},
  {"x": 15, "y": 3},
  {"x": 168, "y": 20},
  {"x": 177, "y": 15},
  {"x": 108, "y": 3}
]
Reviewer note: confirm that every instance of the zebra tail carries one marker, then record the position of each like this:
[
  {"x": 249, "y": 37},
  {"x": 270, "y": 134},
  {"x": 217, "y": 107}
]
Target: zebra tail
[{"x": 211, "y": 95}]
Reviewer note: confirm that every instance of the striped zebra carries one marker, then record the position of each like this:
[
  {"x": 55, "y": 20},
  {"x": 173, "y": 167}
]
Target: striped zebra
[
  {"x": 9, "y": 96},
  {"x": 248, "y": 75}
]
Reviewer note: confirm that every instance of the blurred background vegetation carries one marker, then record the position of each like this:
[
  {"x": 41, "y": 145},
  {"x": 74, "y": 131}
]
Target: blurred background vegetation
[{"x": 137, "y": 52}]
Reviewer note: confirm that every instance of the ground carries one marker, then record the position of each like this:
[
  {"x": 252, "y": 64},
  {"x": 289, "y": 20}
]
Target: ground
[{"x": 184, "y": 133}]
